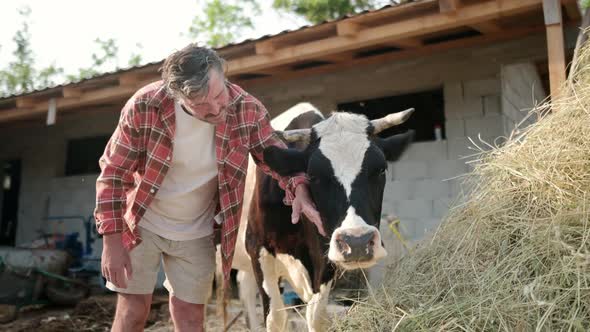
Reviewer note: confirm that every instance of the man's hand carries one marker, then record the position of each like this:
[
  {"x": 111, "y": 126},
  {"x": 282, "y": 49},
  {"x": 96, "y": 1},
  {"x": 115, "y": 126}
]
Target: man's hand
[
  {"x": 303, "y": 203},
  {"x": 115, "y": 262}
]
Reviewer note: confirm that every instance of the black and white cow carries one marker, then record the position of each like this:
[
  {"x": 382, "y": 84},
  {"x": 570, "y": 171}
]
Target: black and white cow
[{"x": 346, "y": 163}]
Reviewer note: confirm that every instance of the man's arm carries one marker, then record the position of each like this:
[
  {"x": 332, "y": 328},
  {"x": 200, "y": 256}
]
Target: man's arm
[
  {"x": 296, "y": 187},
  {"x": 264, "y": 136},
  {"x": 117, "y": 164}
]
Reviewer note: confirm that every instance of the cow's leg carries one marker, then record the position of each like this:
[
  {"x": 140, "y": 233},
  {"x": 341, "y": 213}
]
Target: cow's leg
[
  {"x": 316, "y": 314},
  {"x": 247, "y": 288},
  {"x": 268, "y": 283}
]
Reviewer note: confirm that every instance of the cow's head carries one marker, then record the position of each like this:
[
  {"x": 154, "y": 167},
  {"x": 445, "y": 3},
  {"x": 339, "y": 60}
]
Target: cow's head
[{"x": 346, "y": 163}]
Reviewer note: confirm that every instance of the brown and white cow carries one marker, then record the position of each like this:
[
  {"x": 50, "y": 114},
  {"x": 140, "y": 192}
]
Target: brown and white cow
[{"x": 345, "y": 162}]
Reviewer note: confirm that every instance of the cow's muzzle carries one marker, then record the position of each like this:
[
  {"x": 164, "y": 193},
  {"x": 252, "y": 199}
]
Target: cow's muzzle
[{"x": 356, "y": 248}]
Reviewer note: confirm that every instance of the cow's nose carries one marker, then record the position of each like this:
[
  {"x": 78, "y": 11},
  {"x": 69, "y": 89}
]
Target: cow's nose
[{"x": 356, "y": 248}]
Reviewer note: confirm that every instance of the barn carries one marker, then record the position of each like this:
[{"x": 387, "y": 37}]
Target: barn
[{"x": 470, "y": 68}]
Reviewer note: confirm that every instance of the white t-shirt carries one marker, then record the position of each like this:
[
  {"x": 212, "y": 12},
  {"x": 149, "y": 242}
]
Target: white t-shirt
[{"x": 184, "y": 207}]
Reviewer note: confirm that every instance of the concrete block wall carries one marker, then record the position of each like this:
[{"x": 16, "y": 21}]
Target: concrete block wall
[
  {"x": 521, "y": 91},
  {"x": 44, "y": 189}
]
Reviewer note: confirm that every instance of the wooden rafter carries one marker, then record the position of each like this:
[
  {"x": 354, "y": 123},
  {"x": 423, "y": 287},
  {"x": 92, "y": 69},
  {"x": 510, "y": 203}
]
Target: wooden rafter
[
  {"x": 347, "y": 29},
  {"x": 265, "y": 47},
  {"x": 386, "y": 33},
  {"x": 405, "y": 54},
  {"x": 24, "y": 102},
  {"x": 71, "y": 92},
  {"x": 449, "y": 6},
  {"x": 129, "y": 79},
  {"x": 486, "y": 27}
]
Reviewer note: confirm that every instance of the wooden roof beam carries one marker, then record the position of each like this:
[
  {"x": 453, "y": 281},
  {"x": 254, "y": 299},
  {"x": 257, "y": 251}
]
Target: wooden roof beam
[
  {"x": 71, "y": 92},
  {"x": 449, "y": 6},
  {"x": 265, "y": 47},
  {"x": 84, "y": 99},
  {"x": 347, "y": 28},
  {"x": 25, "y": 102},
  {"x": 410, "y": 28},
  {"x": 129, "y": 79},
  {"x": 486, "y": 27},
  {"x": 407, "y": 43}
]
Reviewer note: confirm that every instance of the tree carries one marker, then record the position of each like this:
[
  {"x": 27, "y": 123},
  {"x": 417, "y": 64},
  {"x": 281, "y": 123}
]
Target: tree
[
  {"x": 105, "y": 59},
  {"x": 223, "y": 21},
  {"x": 21, "y": 75},
  {"x": 135, "y": 59},
  {"x": 317, "y": 11}
]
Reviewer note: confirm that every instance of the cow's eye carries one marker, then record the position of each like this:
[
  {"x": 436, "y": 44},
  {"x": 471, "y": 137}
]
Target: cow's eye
[
  {"x": 380, "y": 172},
  {"x": 313, "y": 179}
]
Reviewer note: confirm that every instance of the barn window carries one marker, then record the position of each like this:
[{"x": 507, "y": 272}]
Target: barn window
[
  {"x": 428, "y": 119},
  {"x": 83, "y": 154}
]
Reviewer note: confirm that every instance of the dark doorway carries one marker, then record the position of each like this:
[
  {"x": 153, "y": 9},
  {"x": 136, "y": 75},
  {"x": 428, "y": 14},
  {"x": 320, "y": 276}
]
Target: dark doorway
[
  {"x": 428, "y": 115},
  {"x": 10, "y": 174}
]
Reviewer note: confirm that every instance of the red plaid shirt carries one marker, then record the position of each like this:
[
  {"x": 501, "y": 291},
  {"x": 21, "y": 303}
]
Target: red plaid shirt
[{"x": 138, "y": 156}]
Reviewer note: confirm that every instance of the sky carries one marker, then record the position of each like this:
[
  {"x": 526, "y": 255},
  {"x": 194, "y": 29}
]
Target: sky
[{"x": 63, "y": 31}]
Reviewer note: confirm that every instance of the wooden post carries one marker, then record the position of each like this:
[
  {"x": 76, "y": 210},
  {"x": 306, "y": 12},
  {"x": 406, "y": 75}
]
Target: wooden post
[{"x": 555, "y": 45}]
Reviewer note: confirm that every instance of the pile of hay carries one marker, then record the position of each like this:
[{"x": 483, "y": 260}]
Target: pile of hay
[{"x": 516, "y": 255}]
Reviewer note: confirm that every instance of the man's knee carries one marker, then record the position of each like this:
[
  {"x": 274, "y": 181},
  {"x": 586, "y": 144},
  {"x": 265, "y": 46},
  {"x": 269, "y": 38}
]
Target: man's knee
[
  {"x": 185, "y": 310},
  {"x": 133, "y": 308}
]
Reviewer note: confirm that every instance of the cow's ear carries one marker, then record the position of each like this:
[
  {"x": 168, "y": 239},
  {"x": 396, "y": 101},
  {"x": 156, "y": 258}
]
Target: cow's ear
[
  {"x": 285, "y": 161},
  {"x": 393, "y": 147}
]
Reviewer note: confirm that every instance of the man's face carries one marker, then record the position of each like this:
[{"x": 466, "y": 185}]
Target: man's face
[{"x": 213, "y": 107}]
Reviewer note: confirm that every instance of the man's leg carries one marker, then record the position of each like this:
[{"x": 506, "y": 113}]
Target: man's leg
[
  {"x": 189, "y": 267},
  {"x": 186, "y": 316},
  {"x": 132, "y": 312},
  {"x": 133, "y": 302}
]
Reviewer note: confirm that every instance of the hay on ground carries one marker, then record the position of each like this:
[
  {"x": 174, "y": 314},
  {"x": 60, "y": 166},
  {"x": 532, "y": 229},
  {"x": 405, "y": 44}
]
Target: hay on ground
[{"x": 516, "y": 255}]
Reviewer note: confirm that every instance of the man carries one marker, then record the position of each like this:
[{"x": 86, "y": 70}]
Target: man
[{"x": 175, "y": 163}]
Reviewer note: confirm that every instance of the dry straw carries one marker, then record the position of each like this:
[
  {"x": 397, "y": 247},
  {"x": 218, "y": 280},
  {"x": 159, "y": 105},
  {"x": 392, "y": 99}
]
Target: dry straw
[{"x": 515, "y": 256}]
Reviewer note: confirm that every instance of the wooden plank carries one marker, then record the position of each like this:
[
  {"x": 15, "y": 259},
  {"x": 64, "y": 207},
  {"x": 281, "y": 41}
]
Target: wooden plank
[
  {"x": 86, "y": 99},
  {"x": 556, "y": 56},
  {"x": 411, "y": 53},
  {"x": 467, "y": 15},
  {"x": 346, "y": 28},
  {"x": 128, "y": 79},
  {"x": 407, "y": 43},
  {"x": 71, "y": 92},
  {"x": 486, "y": 27},
  {"x": 552, "y": 12},
  {"x": 265, "y": 47},
  {"x": 25, "y": 102},
  {"x": 448, "y": 6}
]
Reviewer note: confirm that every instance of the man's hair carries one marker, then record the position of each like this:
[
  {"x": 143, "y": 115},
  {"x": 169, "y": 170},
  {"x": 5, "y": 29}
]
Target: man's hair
[{"x": 186, "y": 72}]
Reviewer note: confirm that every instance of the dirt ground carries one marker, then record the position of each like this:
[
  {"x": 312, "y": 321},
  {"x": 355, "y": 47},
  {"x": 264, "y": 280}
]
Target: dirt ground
[{"x": 96, "y": 314}]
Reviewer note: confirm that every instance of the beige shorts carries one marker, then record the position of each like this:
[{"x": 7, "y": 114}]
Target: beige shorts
[{"x": 189, "y": 267}]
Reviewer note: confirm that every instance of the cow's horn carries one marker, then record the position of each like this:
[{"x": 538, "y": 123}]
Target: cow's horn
[
  {"x": 390, "y": 120},
  {"x": 295, "y": 135}
]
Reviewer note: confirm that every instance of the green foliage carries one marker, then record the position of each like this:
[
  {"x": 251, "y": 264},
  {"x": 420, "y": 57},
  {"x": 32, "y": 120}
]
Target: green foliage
[
  {"x": 585, "y": 4},
  {"x": 135, "y": 59},
  {"x": 21, "y": 75},
  {"x": 317, "y": 11},
  {"x": 103, "y": 60},
  {"x": 223, "y": 21}
]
